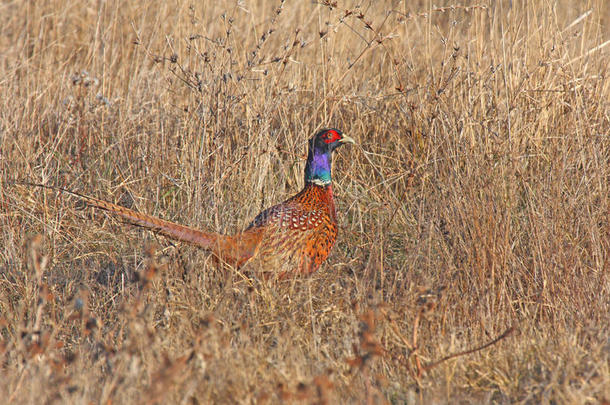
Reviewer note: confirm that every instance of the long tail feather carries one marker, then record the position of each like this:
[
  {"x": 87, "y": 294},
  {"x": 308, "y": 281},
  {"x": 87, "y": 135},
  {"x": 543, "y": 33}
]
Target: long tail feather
[
  {"x": 170, "y": 229},
  {"x": 234, "y": 250}
]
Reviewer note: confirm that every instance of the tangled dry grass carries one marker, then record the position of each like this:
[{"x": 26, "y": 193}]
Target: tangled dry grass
[{"x": 475, "y": 205}]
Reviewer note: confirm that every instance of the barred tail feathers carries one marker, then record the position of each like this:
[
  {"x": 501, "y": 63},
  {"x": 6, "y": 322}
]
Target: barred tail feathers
[
  {"x": 170, "y": 229},
  {"x": 235, "y": 250}
]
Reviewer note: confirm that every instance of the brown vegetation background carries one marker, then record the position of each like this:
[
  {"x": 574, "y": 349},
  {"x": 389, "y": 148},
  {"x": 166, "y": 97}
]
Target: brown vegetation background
[{"x": 475, "y": 201}]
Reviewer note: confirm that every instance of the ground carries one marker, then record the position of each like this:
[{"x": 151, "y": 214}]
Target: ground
[{"x": 473, "y": 257}]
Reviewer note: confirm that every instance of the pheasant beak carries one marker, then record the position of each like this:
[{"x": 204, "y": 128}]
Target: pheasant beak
[{"x": 347, "y": 139}]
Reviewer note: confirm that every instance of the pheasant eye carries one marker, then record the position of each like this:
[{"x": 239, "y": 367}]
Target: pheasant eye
[{"x": 331, "y": 136}]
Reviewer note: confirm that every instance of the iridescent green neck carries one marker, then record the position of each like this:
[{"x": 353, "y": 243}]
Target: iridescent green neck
[{"x": 317, "y": 169}]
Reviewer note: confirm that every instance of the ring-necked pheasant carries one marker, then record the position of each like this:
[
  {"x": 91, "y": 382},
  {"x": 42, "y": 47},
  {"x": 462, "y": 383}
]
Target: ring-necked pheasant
[{"x": 295, "y": 236}]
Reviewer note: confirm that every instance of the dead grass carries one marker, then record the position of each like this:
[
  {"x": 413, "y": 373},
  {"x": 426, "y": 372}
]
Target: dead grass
[{"x": 482, "y": 167}]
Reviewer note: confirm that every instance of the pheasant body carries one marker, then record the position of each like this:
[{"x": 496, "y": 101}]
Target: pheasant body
[{"x": 295, "y": 236}]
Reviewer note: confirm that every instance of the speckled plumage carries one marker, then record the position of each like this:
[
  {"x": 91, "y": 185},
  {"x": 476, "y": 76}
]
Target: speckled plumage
[
  {"x": 293, "y": 237},
  {"x": 298, "y": 234}
]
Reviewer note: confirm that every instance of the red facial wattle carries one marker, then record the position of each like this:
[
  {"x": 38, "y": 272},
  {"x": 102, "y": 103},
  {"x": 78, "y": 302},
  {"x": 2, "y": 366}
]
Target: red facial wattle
[{"x": 331, "y": 136}]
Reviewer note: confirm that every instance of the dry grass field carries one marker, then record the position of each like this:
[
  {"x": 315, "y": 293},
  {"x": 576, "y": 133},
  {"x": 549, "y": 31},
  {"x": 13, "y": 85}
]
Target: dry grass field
[{"x": 474, "y": 212}]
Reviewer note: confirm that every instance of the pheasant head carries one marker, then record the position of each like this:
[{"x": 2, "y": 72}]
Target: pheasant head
[{"x": 319, "y": 158}]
